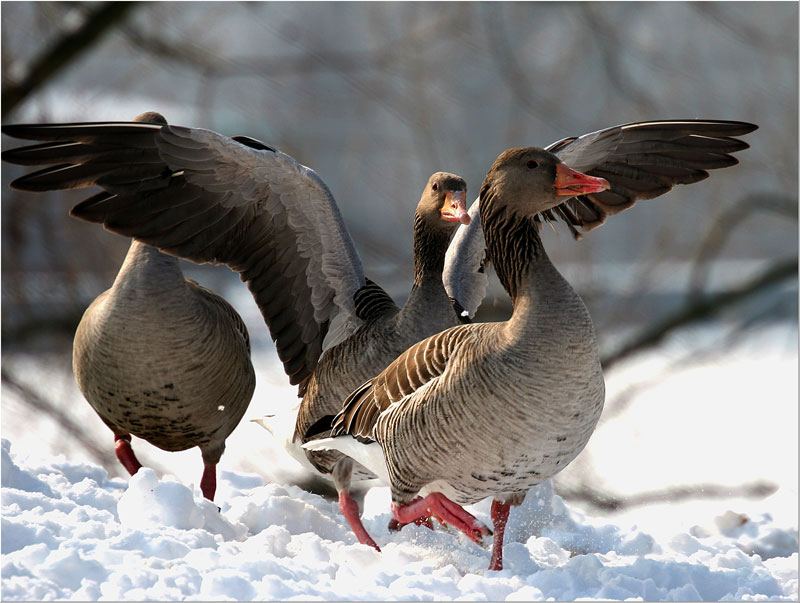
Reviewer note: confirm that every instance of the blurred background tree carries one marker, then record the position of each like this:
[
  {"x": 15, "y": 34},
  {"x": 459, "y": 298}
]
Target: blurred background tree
[{"x": 376, "y": 96}]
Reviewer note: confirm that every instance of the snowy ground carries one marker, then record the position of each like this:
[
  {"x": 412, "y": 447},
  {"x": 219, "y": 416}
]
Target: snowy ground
[{"x": 69, "y": 531}]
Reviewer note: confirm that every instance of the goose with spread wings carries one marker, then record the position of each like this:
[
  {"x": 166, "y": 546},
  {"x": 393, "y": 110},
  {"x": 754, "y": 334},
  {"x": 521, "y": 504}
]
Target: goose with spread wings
[
  {"x": 641, "y": 160},
  {"x": 493, "y": 409},
  {"x": 199, "y": 195},
  {"x": 157, "y": 355}
]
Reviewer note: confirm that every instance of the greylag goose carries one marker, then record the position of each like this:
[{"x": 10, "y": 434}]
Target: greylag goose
[
  {"x": 202, "y": 196},
  {"x": 493, "y": 409},
  {"x": 162, "y": 358},
  {"x": 641, "y": 160},
  {"x": 385, "y": 334}
]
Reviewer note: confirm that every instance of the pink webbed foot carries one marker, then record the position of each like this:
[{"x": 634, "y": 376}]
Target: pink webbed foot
[
  {"x": 445, "y": 510},
  {"x": 208, "y": 483},
  {"x": 499, "y": 519},
  {"x": 349, "y": 508},
  {"x": 125, "y": 454},
  {"x": 396, "y": 526}
]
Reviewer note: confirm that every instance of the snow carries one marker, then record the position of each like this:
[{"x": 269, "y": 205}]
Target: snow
[{"x": 72, "y": 531}]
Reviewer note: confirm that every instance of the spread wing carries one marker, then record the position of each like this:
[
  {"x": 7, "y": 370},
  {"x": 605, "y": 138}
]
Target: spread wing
[
  {"x": 640, "y": 160},
  {"x": 643, "y": 160},
  {"x": 415, "y": 368},
  {"x": 205, "y": 197}
]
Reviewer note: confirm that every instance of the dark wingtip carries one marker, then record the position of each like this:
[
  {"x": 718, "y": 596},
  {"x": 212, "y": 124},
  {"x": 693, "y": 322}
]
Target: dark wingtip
[
  {"x": 32, "y": 183},
  {"x": 15, "y": 130},
  {"x": 737, "y": 128},
  {"x": 253, "y": 143},
  {"x": 320, "y": 426},
  {"x": 749, "y": 127}
]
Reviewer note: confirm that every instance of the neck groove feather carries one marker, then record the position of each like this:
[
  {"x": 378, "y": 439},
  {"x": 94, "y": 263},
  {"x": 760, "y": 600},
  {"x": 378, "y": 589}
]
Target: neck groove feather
[
  {"x": 430, "y": 246},
  {"x": 513, "y": 243}
]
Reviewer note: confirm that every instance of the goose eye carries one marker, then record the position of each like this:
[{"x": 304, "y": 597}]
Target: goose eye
[
  {"x": 435, "y": 187},
  {"x": 532, "y": 164}
]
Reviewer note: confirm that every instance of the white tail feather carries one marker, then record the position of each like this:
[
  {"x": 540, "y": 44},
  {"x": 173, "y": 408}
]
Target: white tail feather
[
  {"x": 369, "y": 455},
  {"x": 281, "y": 426}
]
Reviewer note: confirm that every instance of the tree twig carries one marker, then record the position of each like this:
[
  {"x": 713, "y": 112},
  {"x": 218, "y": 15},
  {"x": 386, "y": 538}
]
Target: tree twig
[
  {"x": 726, "y": 223},
  {"x": 699, "y": 309},
  {"x": 61, "y": 53},
  {"x": 41, "y": 405},
  {"x": 613, "y": 502}
]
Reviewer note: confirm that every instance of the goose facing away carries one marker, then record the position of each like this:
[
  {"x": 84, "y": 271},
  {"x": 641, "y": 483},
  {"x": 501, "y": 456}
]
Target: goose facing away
[
  {"x": 205, "y": 197},
  {"x": 165, "y": 359},
  {"x": 489, "y": 409},
  {"x": 160, "y": 357}
]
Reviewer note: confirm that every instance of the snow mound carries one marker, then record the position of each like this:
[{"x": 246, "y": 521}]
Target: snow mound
[{"x": 70, "y": 532}]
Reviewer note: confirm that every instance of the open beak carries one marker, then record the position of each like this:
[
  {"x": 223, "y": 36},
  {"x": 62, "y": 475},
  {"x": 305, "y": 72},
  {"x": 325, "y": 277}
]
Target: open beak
[
  {"x": 454, "y": 208},
  {"x": 571, "y": 182}
]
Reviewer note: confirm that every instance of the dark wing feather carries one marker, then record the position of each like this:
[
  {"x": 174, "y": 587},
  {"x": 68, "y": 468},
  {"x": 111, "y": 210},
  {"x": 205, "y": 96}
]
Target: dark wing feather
[
  {"x": 207, "y": 198},
  {"x": 642, "y": 161},
  {"x": 373, "y": 302}
]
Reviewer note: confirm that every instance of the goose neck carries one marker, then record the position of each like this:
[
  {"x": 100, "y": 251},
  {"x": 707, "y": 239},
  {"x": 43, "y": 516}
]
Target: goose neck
[
  {"x": 430, "y": 246},
  {"x": 515, "y": 249},
  {"x": 147, "y": 271}
]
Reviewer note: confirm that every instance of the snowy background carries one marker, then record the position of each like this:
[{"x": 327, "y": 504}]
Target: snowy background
[{"x": 688, "y": 488}]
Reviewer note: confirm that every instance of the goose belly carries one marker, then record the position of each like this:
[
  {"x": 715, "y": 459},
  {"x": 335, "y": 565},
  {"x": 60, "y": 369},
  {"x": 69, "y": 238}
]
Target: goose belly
[
  {"x": 503, "y": 438},
  {"x": 176, "y": 388}
]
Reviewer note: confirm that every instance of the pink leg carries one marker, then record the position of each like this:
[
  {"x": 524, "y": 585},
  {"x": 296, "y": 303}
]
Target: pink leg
[
  {"x": 349, "y": 508},
  {"x": 208, "y": 483},
  {"x": 125, "y": 453},
  {"x": 445, "y": 510},
  {"x": 499, "y": 518}
]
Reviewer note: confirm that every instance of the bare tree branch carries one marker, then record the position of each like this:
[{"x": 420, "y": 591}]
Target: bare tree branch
[
  {"x": 746, "y": 33},
  {"x": 699, "y": 309},
  {"x": 72, "y": 428},
  {"x": 514, "y": 72},
  {"x": 725, "y": 224},
  {"x": 310, "y": 61},
  {"x": 61, "y": 53},
  {"x": 612, "y": 502},
  {"x": 612, "y": 52}
]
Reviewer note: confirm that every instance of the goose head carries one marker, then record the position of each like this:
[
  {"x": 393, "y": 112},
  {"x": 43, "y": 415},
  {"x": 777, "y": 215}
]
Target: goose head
[
  {"x": 443, "y": 203},
  {"x": 531, "y": 180}
]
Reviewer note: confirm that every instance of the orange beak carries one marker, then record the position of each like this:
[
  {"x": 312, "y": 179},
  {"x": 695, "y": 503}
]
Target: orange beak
[
  {"x": 571, "y": 182},
  {"x": 454, "y": 208}
]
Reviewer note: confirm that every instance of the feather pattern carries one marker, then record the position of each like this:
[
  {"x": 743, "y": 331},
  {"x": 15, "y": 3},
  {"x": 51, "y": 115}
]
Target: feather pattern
[{"x": 414, "y": 368}]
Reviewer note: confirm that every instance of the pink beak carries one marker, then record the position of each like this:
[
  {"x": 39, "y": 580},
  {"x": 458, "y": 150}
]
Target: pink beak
[
  {"x": 454, "y": 208},
  {"x": 572, "y": 182}
]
